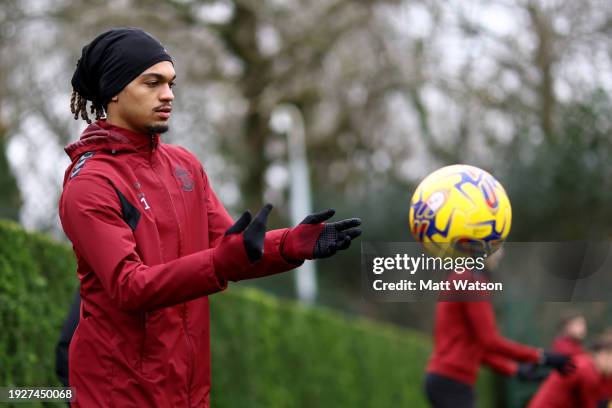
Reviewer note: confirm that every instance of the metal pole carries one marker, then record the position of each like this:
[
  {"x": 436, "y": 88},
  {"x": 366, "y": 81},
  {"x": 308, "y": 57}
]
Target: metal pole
[{"x": 300, "y": 200}]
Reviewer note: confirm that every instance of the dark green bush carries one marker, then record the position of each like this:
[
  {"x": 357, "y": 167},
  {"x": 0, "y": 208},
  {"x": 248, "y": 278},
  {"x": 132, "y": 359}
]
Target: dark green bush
[
  {"x": 37, "y": 282},
  {"x": 270, "y": 353}
]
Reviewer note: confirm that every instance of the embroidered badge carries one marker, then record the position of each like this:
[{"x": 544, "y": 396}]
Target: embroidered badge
[{"x": 185, "y": 178}]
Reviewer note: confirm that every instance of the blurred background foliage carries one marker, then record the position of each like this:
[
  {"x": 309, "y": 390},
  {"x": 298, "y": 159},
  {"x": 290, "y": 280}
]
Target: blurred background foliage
[{"x": 388, "y": 90}]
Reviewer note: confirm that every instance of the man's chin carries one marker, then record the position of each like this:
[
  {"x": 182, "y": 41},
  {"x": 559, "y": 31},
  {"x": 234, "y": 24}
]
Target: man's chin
[{"x": 158, "y": 127}]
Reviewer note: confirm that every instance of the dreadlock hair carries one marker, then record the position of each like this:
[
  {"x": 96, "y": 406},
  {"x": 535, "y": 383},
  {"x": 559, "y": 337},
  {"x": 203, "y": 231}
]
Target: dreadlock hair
[{"x": 78, "y": 107}]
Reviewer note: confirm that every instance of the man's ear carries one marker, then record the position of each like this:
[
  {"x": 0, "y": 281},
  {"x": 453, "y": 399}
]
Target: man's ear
[{"x": 115, "y": 98}]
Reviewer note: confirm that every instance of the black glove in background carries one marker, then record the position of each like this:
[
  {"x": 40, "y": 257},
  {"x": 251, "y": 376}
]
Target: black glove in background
[
  {"x": 560, "y": 362},
  {"x": 530, "y": 372}
]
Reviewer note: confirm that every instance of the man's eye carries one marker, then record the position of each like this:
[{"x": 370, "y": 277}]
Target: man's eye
[
  {"x": 151, "y": 84},
  {"x": 172, "y": 84}
]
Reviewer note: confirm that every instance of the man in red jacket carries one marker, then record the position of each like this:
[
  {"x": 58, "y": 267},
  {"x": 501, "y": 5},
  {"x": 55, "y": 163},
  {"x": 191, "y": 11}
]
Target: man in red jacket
[
  {"x": 466, "y": 336},
  {"x": 151, "y": 238},
  {"x": 573, "y": 332},
  {"x": 585, "y": 387}
]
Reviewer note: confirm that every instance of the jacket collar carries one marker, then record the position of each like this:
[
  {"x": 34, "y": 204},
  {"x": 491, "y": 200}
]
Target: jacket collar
[
  {"x": 101, "y": 135},
  {"x": 140, "y": 141}
]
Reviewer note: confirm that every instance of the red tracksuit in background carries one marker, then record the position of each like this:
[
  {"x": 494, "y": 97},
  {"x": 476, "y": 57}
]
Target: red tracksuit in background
[
  {"x": 567, "y": 345},
  {"x": 580, "y": 389},
  {"x": 466, "y": 336},
  {"x": 606, "y": 388}
]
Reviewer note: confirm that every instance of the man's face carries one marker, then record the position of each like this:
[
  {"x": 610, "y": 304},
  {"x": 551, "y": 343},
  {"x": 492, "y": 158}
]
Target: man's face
[
  {"x": 576, "y": 328},
  {"x": 603, "y": 360},
  {"x": 144, "y": 105}
]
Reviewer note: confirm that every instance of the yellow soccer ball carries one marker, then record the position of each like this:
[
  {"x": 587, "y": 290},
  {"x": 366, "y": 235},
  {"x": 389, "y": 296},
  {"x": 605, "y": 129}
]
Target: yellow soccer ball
[{"x": 460, "y": 210}]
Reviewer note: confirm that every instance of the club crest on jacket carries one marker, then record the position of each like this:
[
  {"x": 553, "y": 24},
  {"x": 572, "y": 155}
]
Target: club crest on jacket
[{"x": 183, "y": 176}]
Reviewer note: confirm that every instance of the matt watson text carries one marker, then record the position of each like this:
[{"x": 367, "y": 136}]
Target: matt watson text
[{"x": 431, "y": 285}]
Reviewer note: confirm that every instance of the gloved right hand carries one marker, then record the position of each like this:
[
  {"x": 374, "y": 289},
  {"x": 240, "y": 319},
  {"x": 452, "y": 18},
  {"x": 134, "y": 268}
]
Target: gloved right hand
[
  {"x": 242, "y": 245},
  {"x": 560, "y": 362}
]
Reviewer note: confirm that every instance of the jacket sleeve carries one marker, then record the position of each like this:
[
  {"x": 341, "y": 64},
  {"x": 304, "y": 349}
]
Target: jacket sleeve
[
  {"x": 500, "y": 364},
  {"x": 588, "y": 394},
  {"x": 91, "y": 216},
  {"x": 566, "y": 345},
  {"x": 482, "y": 320},
  {"x": 219, "y": 221}
]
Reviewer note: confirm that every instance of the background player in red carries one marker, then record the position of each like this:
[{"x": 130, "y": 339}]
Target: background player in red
[
  {"x": 466, "y": 336},
  {"x": 573, "y": 331},
  {"x": 606, "y": 387},
  {"x": 584, "y": 386}
]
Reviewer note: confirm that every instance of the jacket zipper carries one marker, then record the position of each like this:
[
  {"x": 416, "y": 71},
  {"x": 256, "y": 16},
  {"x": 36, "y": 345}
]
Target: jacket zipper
[
  {"x": 190, "y": 353},
  {"x": 184, "y": 317},
  {"x": 142, "y": 344}
]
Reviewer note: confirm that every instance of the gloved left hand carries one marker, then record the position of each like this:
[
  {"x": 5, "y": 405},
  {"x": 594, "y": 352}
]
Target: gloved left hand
[
  {"x": 314, "y": 238},
  {"x": 560, "y": 362},
  {"x": 242, "y": 245},
  {"x": 253, "y": 231},
  {"x": 530, "y": 372}
]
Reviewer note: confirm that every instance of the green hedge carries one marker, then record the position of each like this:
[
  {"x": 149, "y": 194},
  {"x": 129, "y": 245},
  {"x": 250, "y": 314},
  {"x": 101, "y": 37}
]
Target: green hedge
[
  {"x": 37, "y": 283},
  {"x": 265, "y": 352},
  {"x": 269, "y": 353}
]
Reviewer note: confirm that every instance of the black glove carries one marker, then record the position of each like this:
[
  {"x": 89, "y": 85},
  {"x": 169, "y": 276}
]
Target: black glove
[
  {"x": 560, "y": 362},
  {"x": 530, "y": 372},
  {"x": 313, "y": 238},
  {"x": 254, "y": 232},
  {"x": 335, "y": 235}
]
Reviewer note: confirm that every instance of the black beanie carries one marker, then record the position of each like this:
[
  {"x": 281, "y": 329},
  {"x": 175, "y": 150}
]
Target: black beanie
[{"x": 112, "y": 60}]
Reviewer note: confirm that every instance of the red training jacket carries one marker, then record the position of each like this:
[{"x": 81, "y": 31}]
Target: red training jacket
[
  {"x": 466, "y": 336},
  {"x": 144, "y": 222},
  {"x": 606, "y": 388},
  {"x": 581, "y": 389},
  {"x": 567, "y": 345}
]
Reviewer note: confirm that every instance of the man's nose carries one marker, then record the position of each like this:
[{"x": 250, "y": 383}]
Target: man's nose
[{"x": 166, "y": 93}]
